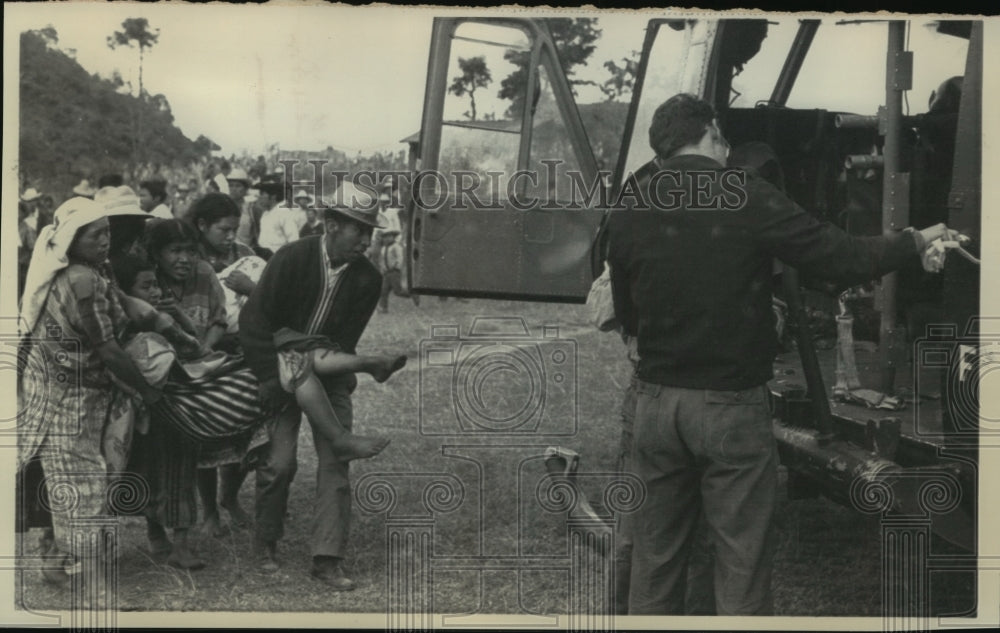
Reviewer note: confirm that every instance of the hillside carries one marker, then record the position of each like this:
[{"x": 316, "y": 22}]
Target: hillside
[{"x": 76, "y": 125}]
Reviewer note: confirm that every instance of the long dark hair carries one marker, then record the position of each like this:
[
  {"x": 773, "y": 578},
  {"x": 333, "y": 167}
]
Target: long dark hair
[
  {"x": 127, "y": 268},
  {"x": 213, "y": 207},
  {"x": 165, "y": 232}
]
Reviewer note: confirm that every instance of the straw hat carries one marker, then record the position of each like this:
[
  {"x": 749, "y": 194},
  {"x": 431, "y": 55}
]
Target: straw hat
[
  {"x": 119, "y": 201},
  {"x": 303, "y": 194},
  {"x": 238, "y": 175},
  {"x": 355, "y": 203},
  {"x": 84, "y": 189}
]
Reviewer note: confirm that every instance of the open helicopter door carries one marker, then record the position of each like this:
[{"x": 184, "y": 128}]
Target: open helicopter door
[{"x": 506, "y": 196}]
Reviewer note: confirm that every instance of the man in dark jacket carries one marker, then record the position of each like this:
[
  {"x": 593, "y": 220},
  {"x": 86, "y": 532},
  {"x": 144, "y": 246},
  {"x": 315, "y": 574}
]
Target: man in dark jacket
[
  {"x": 317, "y": 285},
  {"x": 691, "y": 264}
]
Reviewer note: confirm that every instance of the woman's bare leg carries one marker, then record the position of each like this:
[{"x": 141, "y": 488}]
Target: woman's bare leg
[
  {"x": 314, "y": 402},
  {"x": 231, "y": 478},
  {"x": 208, "y": 490},
  {"x": 329, "y": 363}
]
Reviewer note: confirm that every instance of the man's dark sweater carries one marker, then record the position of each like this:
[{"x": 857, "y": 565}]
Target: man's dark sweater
[
  {"x": 287, "y": 293},
  {"x": 694, "y": 285}
]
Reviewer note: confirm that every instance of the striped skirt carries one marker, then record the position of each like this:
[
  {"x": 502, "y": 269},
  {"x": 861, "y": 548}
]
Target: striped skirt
[
  {"x": 217, "y": 414},
  {"x": 213, "y": 409}
]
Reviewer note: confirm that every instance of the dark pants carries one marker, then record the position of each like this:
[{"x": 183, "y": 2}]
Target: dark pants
[
  {"x": 699, "y": 596},
  {"x": 703, "y": 451},
  {"x": 332, "y": 510}
]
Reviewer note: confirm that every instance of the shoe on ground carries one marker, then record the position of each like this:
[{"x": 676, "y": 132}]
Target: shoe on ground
[
  {"x": 266, "y": 555},
  {"x": 332, "y": 575}
]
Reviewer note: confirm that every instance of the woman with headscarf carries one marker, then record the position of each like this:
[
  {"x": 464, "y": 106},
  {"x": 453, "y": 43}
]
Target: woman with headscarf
[{"x": 69, "y": 386}]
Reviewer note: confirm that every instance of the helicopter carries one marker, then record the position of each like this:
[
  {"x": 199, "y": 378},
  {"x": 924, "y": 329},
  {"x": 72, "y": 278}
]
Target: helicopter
[{"x": 831, "y": 97}]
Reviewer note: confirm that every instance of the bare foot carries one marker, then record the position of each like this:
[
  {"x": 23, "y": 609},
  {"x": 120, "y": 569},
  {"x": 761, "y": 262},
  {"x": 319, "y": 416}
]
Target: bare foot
[
  {"x": 386, "y": 366},
  {"x": 213, "y": 525},
  {"x": 352, "y": 446},
  {"x": 183, "y": 558},
  {"x": 237, "y": 516},
  {"x": 159, "y": 545}
]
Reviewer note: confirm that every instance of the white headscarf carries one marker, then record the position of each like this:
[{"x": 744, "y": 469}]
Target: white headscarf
[{"x": 52, "y": 246}]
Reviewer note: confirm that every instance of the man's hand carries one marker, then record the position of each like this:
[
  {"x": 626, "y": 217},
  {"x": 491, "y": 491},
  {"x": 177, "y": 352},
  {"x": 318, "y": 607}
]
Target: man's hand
[
  {"x": 938, "y": 239},
  {"x": 272, "y": 396},
  {"x": 238, "y": 282},
  {"x": 940, "y": 232}
]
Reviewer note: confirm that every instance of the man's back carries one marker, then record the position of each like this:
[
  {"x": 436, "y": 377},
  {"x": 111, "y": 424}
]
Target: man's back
[{"x": 692, "y": 272}]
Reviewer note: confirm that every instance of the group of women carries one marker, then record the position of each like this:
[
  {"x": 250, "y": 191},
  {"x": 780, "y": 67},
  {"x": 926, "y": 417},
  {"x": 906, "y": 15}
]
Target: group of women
[{"x": 112, "y": 302}]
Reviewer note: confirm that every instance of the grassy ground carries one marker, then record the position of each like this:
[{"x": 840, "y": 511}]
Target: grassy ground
[{"x": 828, "y": 562}]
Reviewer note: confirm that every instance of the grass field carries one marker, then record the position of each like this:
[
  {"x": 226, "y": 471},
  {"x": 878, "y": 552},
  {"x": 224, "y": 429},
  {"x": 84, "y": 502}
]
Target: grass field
[{"x": 828, "y": 562}]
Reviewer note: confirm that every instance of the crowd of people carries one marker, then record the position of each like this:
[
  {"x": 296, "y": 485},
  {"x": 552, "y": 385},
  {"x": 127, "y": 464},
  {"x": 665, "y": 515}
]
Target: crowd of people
[
  {"x": 265, "y": 222},
  {"x": 190, "y": 358}
]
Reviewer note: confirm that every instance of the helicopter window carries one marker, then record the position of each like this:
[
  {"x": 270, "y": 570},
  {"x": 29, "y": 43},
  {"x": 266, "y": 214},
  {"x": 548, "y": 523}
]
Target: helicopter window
[
  {"x": 552, "y": 157},
  {"x": 753, "y": 84},
  {"x": 480, "y": 133},
  {"x": 856, "y": 82},
  {"x": 663, "y": 80}
]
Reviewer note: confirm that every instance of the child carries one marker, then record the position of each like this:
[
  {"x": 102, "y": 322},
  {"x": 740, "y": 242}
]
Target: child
[
  {"x": 301, "y": 359},
  {"x": 390, "y": 263},
  {"x": 137, "y": 279},
  {"x": 314, "y": 224}
]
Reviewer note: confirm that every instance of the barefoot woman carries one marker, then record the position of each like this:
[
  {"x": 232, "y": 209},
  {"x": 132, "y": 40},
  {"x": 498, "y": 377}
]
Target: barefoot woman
[{"x": 73, "y": 319}]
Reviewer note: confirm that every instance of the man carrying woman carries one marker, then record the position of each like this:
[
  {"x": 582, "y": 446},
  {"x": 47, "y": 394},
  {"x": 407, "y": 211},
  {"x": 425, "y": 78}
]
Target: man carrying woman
[{"x": 321, "y": 285}]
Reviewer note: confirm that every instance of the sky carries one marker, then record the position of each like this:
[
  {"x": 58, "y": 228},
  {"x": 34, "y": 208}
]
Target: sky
[
  {"x": 311, "y": 76},
  {"x": 302, "y": 76}
]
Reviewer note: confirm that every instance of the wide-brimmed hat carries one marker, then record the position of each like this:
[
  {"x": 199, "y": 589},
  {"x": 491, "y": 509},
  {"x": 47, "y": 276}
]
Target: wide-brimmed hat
[
  {"x": 52, "y": 247},
  {"x": 302, "y": 193},
  {"x": 238, "y": 175},
  {"x": 356, "y": 204},
  {"x": 84, "y": 189},
  {"x": 119, "y": 201},
  {"x": 30, "y": 195},
  {"x": 271, "y": 184}
]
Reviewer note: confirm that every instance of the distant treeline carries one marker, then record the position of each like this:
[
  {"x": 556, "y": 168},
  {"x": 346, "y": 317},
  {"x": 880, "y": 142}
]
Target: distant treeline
[{"x": 76, "y": 125}]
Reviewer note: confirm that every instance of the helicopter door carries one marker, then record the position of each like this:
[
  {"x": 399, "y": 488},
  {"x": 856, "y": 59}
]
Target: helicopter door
[{"x": 506, "y": 197}]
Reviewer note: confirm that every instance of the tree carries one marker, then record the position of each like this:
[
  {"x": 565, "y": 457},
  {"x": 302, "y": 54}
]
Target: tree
[
  {"x": 574, "y": 41},
  {"x": 474, "y": 75},
  {"x": 48, "y": 35},
  {"x": 135, "y": 33},
  {"x": 622, "y": 78},
  {"x": 75, "y": 124}
]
